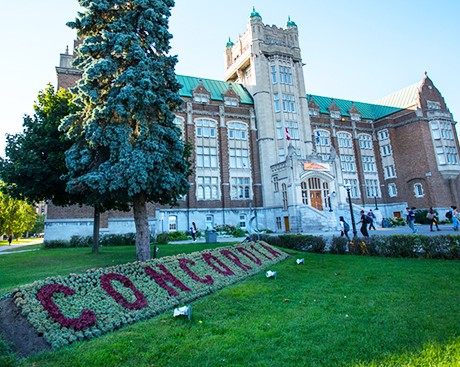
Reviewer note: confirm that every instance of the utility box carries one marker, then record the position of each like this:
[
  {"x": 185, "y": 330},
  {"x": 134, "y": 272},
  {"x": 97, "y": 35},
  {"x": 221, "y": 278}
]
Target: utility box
[{"x": 211, "y": 237}]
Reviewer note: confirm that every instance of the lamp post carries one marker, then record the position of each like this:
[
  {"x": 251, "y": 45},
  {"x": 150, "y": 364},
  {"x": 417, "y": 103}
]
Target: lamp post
[
  {"x": 375, "y": 201},
  {"x": 348, "y": 188}
]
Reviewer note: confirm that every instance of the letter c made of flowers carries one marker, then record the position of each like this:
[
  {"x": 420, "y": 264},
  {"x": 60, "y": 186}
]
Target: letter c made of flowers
[{"x": 45, "y": 296}]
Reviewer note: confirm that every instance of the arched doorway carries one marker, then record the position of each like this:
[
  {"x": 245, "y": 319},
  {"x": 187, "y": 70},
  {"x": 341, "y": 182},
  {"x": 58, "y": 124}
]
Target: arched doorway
[{"x": 315, "y": 192}]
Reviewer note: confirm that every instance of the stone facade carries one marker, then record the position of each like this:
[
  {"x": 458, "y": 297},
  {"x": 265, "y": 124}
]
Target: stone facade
[{"x": 265, "y": 150}]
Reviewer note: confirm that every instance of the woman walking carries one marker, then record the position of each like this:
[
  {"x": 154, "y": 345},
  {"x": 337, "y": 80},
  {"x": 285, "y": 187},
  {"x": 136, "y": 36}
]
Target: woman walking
[{"x": 433, "y": 219}]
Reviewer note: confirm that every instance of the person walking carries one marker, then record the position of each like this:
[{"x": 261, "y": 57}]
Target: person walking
[
  {"x": 371, "y": 219},
  {"x": 432, "y": 217},
  {"x": 363, "y": 222},
  {"x": 344, "y": 228},
  {"x": 10, "y": 238},
  {"x": 193, "y": 231},
  {"x": 410, "y": 218},
  {"x": 456, "y": 218}
]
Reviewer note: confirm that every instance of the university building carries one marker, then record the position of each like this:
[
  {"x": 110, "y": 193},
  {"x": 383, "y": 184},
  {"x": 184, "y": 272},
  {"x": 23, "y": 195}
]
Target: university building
[{"x": 269, "y": 155}]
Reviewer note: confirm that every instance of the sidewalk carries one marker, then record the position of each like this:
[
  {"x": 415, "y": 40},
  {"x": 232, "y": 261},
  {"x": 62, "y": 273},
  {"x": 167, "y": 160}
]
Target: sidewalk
[{"x": 7, "y": 249}]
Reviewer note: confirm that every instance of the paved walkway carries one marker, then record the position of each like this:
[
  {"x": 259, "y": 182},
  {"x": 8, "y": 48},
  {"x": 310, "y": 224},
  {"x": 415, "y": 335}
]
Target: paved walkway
[{"x": 7, "y": 249}]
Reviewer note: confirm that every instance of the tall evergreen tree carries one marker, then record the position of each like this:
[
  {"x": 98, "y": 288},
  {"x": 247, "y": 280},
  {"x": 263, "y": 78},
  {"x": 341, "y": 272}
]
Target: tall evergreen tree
[{"x": 126, "y": 145}]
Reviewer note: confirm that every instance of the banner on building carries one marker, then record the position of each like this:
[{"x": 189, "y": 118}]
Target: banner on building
[{"x": 311, "y": 166}]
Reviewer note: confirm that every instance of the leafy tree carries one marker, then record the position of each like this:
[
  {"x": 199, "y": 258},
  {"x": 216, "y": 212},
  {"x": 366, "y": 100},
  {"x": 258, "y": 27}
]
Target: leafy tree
[
  {"x": 127, "y": 150},
  {"x": 37, "y": 153},
  {"x": 17, "y": 216}
]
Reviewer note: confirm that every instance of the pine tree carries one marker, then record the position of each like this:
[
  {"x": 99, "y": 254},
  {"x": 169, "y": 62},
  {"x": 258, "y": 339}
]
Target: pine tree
[{"x": 127, "y": 149}]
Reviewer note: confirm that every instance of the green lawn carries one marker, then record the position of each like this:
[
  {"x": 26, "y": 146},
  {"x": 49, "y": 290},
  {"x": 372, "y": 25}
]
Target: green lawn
[{"x": 331, "y": 311}]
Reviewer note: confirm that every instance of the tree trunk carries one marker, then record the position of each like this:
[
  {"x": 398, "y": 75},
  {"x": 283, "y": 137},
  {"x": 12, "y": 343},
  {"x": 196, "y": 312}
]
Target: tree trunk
[
  {"x": 142, "y": 227},
  {"x": 96, "y": 227}
]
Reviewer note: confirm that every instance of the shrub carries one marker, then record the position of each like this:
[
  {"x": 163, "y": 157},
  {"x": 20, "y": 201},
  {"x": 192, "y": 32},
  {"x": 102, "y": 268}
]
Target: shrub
[
  {"x": 420, "y": 217},
  {"x": 297, "y": 242},
  {"x": 227, "y": 229},
  {"x": 81, "y": 241},
  {"x": 55, "y": 244},
  {"x": 128, "y": 239},
  {"x": 162, "y": 238},
  {"x": 396, "y": 222},
  {"x": 177, "y": 236},
  {"x": 339, "y": 245}
]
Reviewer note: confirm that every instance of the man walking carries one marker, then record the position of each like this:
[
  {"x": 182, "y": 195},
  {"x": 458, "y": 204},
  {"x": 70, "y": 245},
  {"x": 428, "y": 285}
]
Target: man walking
[{"x": 410, "y": 218}]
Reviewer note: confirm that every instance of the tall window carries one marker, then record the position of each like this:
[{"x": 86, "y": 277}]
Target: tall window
[
  {"x": 279, "y": 130},
  {"x": 276, "y": 101},
  {"x": 285, "y": 197},
  {"x": 372, "y": 188},
  {"x": 242, "y": 220},
  {"x": 273, "y": 71},
  {"x": 239, "y": 158},
  {"x": 206, "y": 157},
  {"x": 207, "y": 188},
  {"x": 323, "y": 138},
  {"x": 278, "y": 223},
  {"x": 275, "y": 183},
  {"x": 240, "y": 188},
  {"x": 418, "y": 190},
  {"x": 369, "y": 163},
  {"x": 392, "y": 190},
  {"x": 285, "y": 75},
  {"x": 288, "y": 102},
  {"x": 365, "y": 141},
  {"x": 293, "y": 128},
  {"x": 344, "y": 140},
  {"x": 353, "y": 184},
  {"x": 386, "y": 150},
  {"x": 348, "y": 163},
  {"x": 383, "y": 134},
  {"x": 172, "y": 222},
  {"x": 389, "y": 171}
]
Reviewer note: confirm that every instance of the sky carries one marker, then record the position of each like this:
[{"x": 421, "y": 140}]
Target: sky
[{"x": 358, "y": 50}]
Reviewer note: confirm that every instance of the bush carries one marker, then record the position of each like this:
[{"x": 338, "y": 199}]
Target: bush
[
  {"x": 55, "y": 244},
  {"x": 420, "y": 217},
  {"x": 81, "y": 241},
  {"x": 128, "y": 239},
  {"x": 227, "y": 229},
  {"x": 339, "y": 245},
  {"x": 297, "y": 242},
  {"x": 162, "y": 238},
  {"x": 177, "y": 236},
  {"x": 396, "y": 222}
]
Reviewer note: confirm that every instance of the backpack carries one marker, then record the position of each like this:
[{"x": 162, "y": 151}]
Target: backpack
[
  {"x": 449, "y": 215},
  {"x": 346, "y": 226},
  {"x": 368, "y": 220}
]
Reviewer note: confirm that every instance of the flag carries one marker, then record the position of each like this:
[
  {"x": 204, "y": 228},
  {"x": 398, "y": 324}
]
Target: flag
[
  {"x": 288, "y": 136},
  {"x": 318, "y": 135}
]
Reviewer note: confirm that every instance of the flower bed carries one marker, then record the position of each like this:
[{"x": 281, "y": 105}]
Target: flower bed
[{"x": 83, "y": 306}]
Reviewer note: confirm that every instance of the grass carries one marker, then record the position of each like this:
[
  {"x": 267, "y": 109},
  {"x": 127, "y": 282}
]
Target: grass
[
  {"x": 21, "y": 241},
  {"x": 331, "y": 311}
]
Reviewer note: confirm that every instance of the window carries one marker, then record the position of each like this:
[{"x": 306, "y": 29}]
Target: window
[
  {"x": 293, "y": 129},
  {"x": 179, "y": 122},
  {"x": 276, "y": 100},
  {"x": 441, "y": 130},
  {"x": 303, "y": 186},
  {"x": 288, "y": 103},
  {"x": 372, "y": 188},
  {"x": 237, "y": 131},
  {"x": 209, "y": 221},
  {"x": 278, "y": 223},
  {"x": 313, "y": 112},
  {"x": 347, "y": 163},
  {"x": 335, "y": 115},
  {"x": 323, "y": 138},
  {"x": 205, "y": 128},
  {"x": 273, "y": 71},
  {"x": 242, "y": 220},
  {"x": 383, "y": 135},
  {"x": 365, "y": 141},
  {"x": 418, "y": 190},
  {"x": 452, "y": 155},
  {"x": 386, "y": 150},
  {"x": 285, "y": 75},
  {"x": 239, "y": 158},
  {"x": 390, "y": 171},
  {"x": 231, "y": 101},
  {"x": 355, "y": 117},
  {"x": 206, "y": 157},
  {"x": 285, "y": 197},
  {"x": 353, "y": 184},
  {"x": 172, "y": 223},
  {"x": 275, "y": 183},
  {"x": 281, "y": 155},
  {"x": 440, "y": 155},
  {"x": 240, "y": 188},
  {"x": 201, "y": 98},
  {"x": 207, "y": 188},
  {"x": 435, "y": 130},
  {"x": 279, "y": 130},
  {"x": 392, "y": 191},
  {"x": 344, "y": 140},
  {"x": 369, "y": 163},
  {"x": 433, "y": 105}
]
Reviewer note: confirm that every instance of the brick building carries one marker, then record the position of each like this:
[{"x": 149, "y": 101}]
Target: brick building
[{"x": 265, "y": 150}]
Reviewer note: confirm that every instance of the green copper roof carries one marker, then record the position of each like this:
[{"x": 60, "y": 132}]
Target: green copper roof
[
  {"x": 215, "y": 87},
  {"x": 290, "y": 23},
  {"x": 254, "y": 13},
  {"x": 367, "y": 110},
  {"x": 229, "y": 43}
]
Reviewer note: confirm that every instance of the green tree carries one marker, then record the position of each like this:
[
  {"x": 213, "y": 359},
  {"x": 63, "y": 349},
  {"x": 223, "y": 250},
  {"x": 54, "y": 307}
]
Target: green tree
[
  {"x": 17, "y": 216},
  {"x": 38, "y": 153},
  {"x": 127, "y": 149}
]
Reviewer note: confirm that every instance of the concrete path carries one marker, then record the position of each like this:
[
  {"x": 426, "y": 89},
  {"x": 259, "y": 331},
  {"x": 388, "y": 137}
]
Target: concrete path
[{"x": 7, "y": 249}]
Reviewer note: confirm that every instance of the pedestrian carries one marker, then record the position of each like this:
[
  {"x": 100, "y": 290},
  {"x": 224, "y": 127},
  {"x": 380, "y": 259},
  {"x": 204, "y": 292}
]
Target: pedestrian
[
  {"x": 193, "y": 231},
  {"x": 455, "y": 217},
  {"x": 344, "y": 228},
  {"x": 10, "y": 238},
  {"x": 363, "y": 222},
  {"x": 410, "y": 218},
  {"x": 371, "y": 219},
  {"x": 433, "y": 218}
]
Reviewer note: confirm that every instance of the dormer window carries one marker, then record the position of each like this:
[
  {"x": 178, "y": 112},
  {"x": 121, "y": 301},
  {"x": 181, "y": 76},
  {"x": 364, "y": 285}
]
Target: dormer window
[
  {"x": 231, "y": 101},
  {"x": 355, "y": 117},
  {"x": 433, "y": 105},
  {"x": 313, "y": 112},
  {"x": 201, "y": 98},
  {"x": 335, "y": 115}
]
